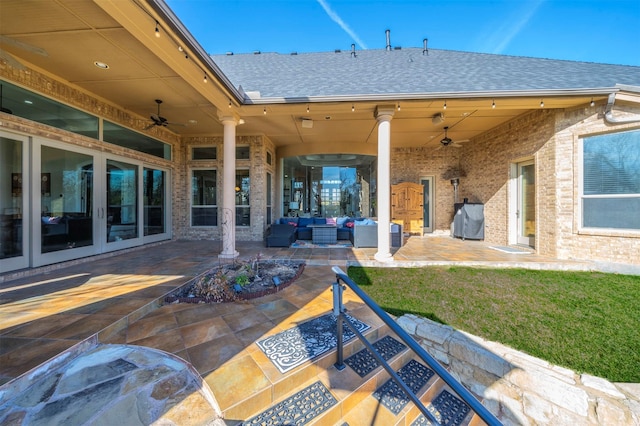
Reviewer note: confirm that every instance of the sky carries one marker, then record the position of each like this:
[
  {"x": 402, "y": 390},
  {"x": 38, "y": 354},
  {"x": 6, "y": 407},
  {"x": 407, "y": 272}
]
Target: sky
[{"x": 606, "y": 31}]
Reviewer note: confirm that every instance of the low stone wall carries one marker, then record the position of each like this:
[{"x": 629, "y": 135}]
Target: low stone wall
[{"x": 520, "y": 389}]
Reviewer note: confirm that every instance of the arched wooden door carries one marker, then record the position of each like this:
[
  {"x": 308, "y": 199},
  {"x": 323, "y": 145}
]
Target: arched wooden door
[{"x": 406, "y": 206}]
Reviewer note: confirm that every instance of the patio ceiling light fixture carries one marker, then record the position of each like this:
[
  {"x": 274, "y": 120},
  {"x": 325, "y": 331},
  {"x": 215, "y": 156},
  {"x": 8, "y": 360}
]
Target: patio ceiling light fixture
[
  {"x": 157, "y": 30},
  {"x": 541, "y": 103},
  {"x": 445, "y": 105},
  {"x": 493, "y": 103}
]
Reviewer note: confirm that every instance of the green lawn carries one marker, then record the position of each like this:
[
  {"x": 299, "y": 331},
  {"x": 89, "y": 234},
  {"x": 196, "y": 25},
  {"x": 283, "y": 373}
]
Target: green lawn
[{"x": 586, "y": 321}]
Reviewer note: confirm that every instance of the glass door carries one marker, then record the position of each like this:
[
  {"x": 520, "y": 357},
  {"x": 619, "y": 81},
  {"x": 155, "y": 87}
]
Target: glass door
[
  {"x": 122, "y": 223},
  {"x": 526, "y": 212},
  {"x": 64, "y": 213},
  {"x": 427, "y": 204},
  {"x": 14, "y": 194}
]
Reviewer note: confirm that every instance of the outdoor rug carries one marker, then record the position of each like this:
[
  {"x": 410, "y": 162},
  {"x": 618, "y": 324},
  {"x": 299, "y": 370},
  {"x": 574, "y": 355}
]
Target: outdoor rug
[
  {"x": 298, "y": 409},
  {"x": 290, "y": 348},
  {"x": 511, "y": 250},
  {"x": 414, "y": 374},
  {"x": 309, "y": 244}
]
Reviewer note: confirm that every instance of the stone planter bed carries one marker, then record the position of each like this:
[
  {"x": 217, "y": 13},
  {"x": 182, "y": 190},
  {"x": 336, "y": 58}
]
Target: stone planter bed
[{"x": 221, "y": 284}]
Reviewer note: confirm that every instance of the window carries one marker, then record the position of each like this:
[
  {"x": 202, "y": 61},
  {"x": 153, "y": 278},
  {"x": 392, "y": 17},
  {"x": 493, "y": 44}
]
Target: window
[
  {"x": 243, "y": 210},
  {"x": 204, "y": 205},
  {"x": 121, "y": 136},
  {"x": 242, "y": 153},
  {"x": 30, "y": 105},
  {"x": 153, "y": 187},
  {"x": 611, "y": 181},
  {"x": 269, "y": 158},
  {"x": 268, "y": 217},
  {"x": 204, "y": 153}
]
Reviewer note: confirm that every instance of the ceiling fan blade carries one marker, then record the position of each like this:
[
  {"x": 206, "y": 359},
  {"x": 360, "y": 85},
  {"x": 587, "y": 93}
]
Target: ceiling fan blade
[{"x": 24, "y": 46}]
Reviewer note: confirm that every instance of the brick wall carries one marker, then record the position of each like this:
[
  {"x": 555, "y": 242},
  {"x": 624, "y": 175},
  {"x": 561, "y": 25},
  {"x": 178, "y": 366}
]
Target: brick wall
[{"x": 549, "y": 138}]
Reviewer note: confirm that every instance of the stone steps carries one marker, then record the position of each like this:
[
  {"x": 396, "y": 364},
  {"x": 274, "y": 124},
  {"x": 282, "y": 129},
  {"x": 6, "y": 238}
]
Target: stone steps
[
  {"x": 249, "y": 402},
  {"x": 317, "y": 393}
]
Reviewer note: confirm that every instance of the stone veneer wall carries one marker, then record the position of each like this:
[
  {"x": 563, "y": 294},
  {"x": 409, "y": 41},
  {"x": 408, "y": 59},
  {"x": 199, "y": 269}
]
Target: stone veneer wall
[
  {"x": 520, "y": 389},
  {"x": 259, "y": 146}
]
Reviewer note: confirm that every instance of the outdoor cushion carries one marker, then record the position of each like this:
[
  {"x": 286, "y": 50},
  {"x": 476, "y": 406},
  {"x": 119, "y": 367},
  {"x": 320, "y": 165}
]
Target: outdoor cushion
[
  {"x": 341, "y": 220},
  {"x": 305, "y": 221},
  {"x": 331, "y": 221}
]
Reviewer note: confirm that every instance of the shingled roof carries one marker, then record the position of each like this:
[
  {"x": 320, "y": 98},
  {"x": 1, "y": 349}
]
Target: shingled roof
[{"x": 409, "y": 71}]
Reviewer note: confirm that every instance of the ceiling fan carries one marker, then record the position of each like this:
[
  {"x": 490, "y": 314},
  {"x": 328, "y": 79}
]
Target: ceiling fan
[
  {"x": 158, "y": 120},
  {"x": 447, "y": 141}
]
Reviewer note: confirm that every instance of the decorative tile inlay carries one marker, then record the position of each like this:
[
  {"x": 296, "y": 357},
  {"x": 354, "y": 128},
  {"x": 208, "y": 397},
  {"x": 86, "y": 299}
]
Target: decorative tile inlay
[
  {"x": 298, "y": 409},
  {"x": 447, "y": 409},
  {"x": 414, "y": 374},
  {"x": 292, "y": 347},
  {"x": 363, "y": 362}
]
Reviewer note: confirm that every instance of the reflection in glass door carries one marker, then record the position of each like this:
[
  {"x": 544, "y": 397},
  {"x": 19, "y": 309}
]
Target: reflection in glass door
[
  {"x": 154, "y": 187},
  {"x": 526, "y": 204},
  {"x": 13, "y": 201},
  {"x": 122, "y": 201},
  {"x": 427, "y": 204},
  {"x": 66, "y": 217}
]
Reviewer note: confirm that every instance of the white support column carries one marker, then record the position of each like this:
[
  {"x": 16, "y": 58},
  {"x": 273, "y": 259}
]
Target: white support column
[
  {"x": 228, "y": 188},
  {"x": 384, "y": 114}
]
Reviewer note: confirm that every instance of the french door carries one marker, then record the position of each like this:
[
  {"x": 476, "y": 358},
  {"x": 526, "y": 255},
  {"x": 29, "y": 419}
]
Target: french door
[
  {"x": 59, "y": 202},
  {"x": 526, "y": 212}
]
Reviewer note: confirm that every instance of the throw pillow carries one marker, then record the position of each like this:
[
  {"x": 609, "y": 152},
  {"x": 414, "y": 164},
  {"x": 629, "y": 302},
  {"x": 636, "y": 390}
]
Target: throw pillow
[
  {"x": 349, "y": 224},
  {"x": 331, "y": 221},
  {"x": 294, "y": 224}
]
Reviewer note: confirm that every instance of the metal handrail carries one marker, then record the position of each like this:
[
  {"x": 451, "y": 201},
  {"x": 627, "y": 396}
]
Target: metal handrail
[{"x": 457, "y": 387}]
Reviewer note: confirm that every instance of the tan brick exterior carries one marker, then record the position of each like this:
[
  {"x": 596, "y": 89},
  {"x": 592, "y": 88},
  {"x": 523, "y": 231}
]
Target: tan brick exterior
[{"x": 551, "y": 138}]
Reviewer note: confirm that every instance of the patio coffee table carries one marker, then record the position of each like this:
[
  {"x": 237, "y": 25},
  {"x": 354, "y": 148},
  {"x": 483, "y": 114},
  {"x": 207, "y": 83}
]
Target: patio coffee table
[{"x": 324, "y": 234}]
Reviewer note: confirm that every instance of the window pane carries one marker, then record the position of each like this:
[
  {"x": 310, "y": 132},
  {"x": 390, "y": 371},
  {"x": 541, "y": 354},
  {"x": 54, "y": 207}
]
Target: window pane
[
  {"x": 243, "y": 216},
  {"x": 204, "y": 216},
  {"x": 124, "y": 137},
  {"x": 242, "y": 198},
  {"x": 11, "y": 193},
  {"x": 24, "y": 103},
  {"x": 154, "y": 201},
  {"x": 204, "y": 211},
  {"x": 242, "y": 153},
  {"x": 204, "y": 153},
  {"x": 617, "y": 213},
  {"x": 612, "y": 164},
  {"x": 66, "y": 188},
  {"x": 204, "y": 188},
  {"x": 122, "y": 197}
]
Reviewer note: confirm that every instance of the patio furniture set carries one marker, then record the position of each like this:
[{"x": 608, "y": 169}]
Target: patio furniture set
[{"x": 361, "y": 232}]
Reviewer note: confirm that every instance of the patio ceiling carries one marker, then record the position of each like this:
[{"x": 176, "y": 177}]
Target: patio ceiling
[{"x": 64, "y": 38}]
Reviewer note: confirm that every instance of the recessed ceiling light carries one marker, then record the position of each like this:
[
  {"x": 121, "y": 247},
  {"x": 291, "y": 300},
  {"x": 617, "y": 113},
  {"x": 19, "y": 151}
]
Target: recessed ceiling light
[
  {"x": 193, "y": 121},
  {"x": 28, "y": 102},
  {"x": 101, "y": 65}
]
